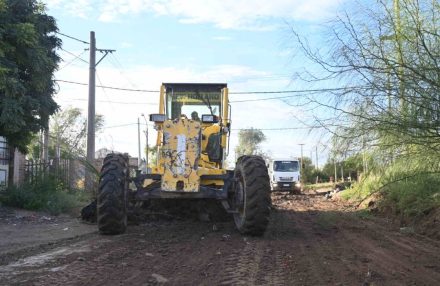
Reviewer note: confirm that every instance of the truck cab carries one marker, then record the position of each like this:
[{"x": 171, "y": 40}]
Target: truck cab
[{"x": 284, "y": 174}]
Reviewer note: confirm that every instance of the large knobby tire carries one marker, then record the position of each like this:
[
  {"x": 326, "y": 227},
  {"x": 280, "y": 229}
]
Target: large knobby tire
[
  {"x": 112, "y": 195},
  {"x": 251, "y": 195}
]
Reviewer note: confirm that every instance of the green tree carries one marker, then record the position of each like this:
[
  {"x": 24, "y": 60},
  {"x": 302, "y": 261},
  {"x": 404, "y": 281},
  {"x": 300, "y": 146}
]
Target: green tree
[
  {"x": 249, "y": 141},
  {"x": 329, "y": 169},
  {"x": 28, "y": 60},
  {"x": 68, "y": 130},
  {"x": 152, "y": 154},
  {"x": 353, "y": 166},
  {"x": 307, "y": 170},
  {"x": 387, "y": 56}
]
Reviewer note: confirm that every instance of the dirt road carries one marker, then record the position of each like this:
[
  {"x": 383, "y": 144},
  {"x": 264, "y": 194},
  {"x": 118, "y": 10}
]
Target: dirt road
[{"x": 310, "y": 241}]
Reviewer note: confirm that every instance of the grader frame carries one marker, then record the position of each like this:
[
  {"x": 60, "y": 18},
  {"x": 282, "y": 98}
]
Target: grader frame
[{"x": 190, "y": 164}]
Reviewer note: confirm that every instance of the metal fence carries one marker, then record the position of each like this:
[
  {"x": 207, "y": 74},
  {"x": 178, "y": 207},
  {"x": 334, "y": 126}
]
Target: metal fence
[
  {"x": 60, "y": 168},
  {"x": 4, "y": 152},
  {"x": 4, "y": 162}
]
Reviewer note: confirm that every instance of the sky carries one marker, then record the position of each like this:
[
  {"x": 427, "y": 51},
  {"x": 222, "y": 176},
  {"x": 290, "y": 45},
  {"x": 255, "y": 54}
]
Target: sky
[{"x": 244, "y": 43}]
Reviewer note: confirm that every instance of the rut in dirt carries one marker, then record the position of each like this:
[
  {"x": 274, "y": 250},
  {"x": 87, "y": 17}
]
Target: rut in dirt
[{"x": 309, "y": 241}]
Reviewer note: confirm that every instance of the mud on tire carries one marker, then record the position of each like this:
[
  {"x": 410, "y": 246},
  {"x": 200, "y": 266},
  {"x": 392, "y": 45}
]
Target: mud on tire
[
  {"x": 251, "y": 195},
  {"x": 112, "y": 195}
]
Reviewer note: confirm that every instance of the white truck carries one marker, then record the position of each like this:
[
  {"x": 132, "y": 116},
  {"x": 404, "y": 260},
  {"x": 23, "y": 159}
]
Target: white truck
[{"x": 284, "y": 174}]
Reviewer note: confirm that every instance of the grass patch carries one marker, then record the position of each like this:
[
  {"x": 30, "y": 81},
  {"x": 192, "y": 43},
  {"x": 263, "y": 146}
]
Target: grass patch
[
  {"x": 45, "y": 194},
  {"x": 413, "y": 198},
  {"x": 358, "y": 192},
  {"x": 409, "y": 195}
]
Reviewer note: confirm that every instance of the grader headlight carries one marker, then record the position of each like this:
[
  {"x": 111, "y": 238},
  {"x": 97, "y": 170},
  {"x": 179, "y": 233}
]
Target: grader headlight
[
  {"x": 157, "y": 118},
  {"x": 208, "y": 118}
]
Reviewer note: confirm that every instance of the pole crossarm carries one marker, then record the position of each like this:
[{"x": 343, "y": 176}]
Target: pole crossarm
[{"x": 106, "y": 52}]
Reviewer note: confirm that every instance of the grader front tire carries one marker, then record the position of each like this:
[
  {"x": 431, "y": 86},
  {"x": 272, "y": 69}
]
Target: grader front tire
[
  {"x": 112, "y": 195},
  {"x": 252, "y": 195}
]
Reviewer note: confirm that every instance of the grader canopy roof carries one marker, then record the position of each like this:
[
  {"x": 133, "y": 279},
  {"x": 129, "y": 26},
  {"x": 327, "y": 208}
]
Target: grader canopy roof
[{"x": 193, "y": 99}]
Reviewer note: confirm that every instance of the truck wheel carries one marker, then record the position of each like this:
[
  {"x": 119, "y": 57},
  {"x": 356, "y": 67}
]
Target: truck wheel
[
  {"x": 112, "y": 195},
  {"x": 251, "y": 195}
]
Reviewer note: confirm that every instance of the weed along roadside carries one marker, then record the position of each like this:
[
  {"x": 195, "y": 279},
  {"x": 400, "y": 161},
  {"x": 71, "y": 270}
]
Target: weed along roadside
[
  {"x": 411, "y": 204},
  {"x": 45, "y": 194}
]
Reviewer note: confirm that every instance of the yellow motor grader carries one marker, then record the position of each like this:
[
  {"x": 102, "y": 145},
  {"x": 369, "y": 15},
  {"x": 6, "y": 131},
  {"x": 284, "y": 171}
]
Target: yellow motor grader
[{"x": 193, "y": 128}]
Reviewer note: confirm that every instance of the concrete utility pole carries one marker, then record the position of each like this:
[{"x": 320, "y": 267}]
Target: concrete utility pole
[
  {"x": 146, "y": 150},
  {"x": 45, "y": 156},
  {"x": 139, "y": 143},
  {"x": 91, "y": 108},
  {"x": 400, "y": 71},
  {"x": 317, "y": 164},
  {"x": 146, "y": 144},
  {"x": 302, "y": 165},
  {"x": 41, "y": 142},
  {"x": 342, "y": 171}
]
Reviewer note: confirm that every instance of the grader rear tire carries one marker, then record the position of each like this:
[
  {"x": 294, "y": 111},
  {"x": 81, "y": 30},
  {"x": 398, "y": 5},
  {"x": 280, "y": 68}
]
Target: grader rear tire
[
  {"x": 112, "y": 195},
  {"x": 251, "y": 195}
]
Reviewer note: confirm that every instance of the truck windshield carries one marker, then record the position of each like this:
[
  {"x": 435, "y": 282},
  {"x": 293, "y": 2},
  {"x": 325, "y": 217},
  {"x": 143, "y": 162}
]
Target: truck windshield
[
  {"x": 286, "y": 166},
  {"x": 193, "y": 104}
]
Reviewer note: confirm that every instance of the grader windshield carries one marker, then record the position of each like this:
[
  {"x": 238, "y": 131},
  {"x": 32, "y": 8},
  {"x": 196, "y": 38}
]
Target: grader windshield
[{"x": 193, "y": 100}]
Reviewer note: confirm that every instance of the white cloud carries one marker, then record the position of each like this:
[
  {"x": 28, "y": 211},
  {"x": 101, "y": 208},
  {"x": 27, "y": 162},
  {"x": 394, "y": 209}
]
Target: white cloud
[
  {"x": 258, "y": 114},
  {"x": 225, "y": 14},
  {"x": 78, "y": 8},
  {"x": 52, "y": 3}
]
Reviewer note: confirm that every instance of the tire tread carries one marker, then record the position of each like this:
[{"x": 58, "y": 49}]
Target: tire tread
[
  {"x": 111, "y": 205},
  {"x": 257, "y": 192}
]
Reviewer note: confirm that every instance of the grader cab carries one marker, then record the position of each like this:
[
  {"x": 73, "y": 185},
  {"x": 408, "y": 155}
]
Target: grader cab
[{"x": 193, "y": 128}]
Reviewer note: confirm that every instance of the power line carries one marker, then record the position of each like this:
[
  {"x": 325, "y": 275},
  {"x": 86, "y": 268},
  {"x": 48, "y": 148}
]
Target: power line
[
  {"x": 110, "y": 101},
  {"x": 237, "y": 92},
  {"x": 278, "y": 129},
  {"x": 73, "y": 38},
  {"x": 116, "y": 126},
  {"x": 233, "y": 129},
  {"x": 107, "y": 87},
  {"x": 105, "y": 93},
  {"x": 74, "y": 59},
  {"x": 151, "y": 103},
  {"x": 292, "y": 91},
  {"x": 125, "y": 125},
  {"x": 117, "y": 64},
  {"x": 75, "y": 56},
  {"x": 263, "y": 99}
]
